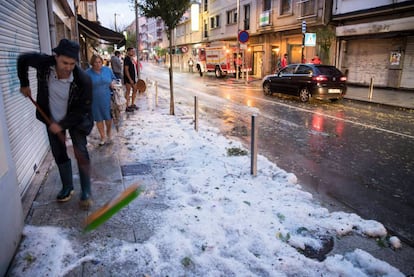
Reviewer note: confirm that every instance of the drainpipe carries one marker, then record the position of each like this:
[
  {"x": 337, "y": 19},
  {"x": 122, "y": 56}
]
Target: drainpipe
[{"x": 52, "y": 24}]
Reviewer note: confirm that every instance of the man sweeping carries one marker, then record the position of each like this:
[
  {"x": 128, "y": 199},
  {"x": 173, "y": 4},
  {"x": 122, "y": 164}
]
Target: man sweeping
[{"x": 64, "y": 100}]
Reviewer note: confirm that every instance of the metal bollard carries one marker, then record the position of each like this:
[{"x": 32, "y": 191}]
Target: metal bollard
[
  {"x": 196, "y": 113},
  {"x": 156, "y": 93},
  {"x": 253, "y": 147},
  {"x": 371, "y": 89}
]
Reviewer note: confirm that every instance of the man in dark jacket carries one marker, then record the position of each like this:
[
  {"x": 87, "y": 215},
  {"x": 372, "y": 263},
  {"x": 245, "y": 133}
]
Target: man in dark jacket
[{"x": 65, "y": 96}]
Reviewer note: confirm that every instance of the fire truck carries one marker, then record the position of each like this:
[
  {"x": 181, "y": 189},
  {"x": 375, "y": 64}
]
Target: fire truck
[{"x": 222, "y": 58}]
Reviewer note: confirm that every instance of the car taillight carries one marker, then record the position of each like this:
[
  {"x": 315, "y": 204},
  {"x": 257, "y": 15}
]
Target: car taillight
[
  {"x": 343, "y": 79},
  {"x": 320, "y": 78}
]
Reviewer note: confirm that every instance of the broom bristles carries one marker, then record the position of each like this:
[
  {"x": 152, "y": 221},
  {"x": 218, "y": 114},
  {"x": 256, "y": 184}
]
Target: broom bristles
[{"x": 100, "y": 216}]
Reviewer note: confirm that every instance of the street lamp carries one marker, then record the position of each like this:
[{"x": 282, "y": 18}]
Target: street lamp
[
  {"x": 137, "y": 36},
  {"x": 115, "y": 14}
]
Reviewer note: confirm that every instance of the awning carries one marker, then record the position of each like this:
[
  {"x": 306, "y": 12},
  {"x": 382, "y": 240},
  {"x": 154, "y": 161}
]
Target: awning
[{"x": 98, "y": 32}]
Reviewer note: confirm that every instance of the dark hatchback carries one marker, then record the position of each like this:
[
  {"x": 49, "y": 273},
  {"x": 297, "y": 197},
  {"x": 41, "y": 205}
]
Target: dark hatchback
[{"x": 318, "y": 81}]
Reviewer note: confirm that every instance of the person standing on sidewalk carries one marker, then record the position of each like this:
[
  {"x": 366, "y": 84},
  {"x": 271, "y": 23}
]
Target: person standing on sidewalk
[
  {"x": 316, "y": 60},
  {"x": 65, "y": 96},
  {"x": 284, "y": 61},
  {"x": 130, "y": 79},
  {"x": 102, "y": 82},
  {"x": 190, "y": 65},
  {"x": 116, "y": 64}
]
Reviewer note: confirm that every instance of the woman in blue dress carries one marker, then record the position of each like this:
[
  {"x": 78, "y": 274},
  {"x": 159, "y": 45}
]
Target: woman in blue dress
[{"x": 102, "y": 81}]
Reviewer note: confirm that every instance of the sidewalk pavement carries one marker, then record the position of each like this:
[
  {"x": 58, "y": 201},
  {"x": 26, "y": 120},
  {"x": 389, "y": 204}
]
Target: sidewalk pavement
[
  {"x": 389, "y": 97},
  {"x": 114, "y": 169}
]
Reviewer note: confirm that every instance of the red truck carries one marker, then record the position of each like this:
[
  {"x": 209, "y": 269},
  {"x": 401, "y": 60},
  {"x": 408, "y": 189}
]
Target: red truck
[{"x": 222, "y": 58}]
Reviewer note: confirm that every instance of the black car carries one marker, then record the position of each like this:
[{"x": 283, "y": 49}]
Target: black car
[{"x": 318, "y": 81}]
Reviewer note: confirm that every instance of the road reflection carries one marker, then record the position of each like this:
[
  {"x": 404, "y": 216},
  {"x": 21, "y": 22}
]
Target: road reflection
[{"x": 319, "y": 122}]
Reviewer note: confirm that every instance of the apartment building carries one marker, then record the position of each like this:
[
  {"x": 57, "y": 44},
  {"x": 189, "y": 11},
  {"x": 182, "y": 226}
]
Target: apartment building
[
  {"x": 368, "y": 40},
  {"x": 275, "y": 28},
  {"x": 375, "y": 41}
]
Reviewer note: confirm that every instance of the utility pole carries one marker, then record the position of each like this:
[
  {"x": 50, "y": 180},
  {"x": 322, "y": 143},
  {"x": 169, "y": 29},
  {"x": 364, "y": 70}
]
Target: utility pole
[
  {"x": 115, "y": 14},
  {"x": 303, "y": 40},
  {"x": 138, "y": 38},
  {"x": 238, "y": 42}
]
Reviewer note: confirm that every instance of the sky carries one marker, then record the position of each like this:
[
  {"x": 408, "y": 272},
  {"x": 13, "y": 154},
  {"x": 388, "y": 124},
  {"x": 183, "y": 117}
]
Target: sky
[
  {"x": 220, "y": 221},
  {"x": 108, "y": 8}
]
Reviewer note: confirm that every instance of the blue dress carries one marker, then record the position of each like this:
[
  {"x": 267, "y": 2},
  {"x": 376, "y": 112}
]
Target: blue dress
[{"x": 101, "y": 104}]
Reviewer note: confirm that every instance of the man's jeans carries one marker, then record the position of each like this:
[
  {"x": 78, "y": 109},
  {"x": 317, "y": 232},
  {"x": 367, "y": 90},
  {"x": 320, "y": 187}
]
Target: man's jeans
[{"x": 79, "y": 142}]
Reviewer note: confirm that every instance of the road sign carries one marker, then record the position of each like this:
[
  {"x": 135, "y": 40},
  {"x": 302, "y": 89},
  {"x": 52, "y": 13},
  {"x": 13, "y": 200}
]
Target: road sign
[
  {"x": 310, "y": 39},
  {"x": 303, "y": 26},
  {"x": 243, "y": 36}
]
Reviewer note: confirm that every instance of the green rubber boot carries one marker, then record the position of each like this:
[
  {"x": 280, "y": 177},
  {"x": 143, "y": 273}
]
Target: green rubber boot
[
  {"x": 85, "y": 180},
  {"x": 65, "y": 171}
]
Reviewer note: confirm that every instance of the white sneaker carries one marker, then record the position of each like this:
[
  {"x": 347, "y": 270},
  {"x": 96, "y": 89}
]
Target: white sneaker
[{"x": 101, "y": 143}]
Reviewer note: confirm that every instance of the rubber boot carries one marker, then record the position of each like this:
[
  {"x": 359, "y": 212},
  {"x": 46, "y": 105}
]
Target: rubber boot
[
  {"x": 65, "y": 171},
  {"x": 85, "y": 180}
]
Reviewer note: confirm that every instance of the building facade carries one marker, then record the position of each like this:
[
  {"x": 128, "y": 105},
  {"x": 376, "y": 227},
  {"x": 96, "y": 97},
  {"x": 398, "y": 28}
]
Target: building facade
[
  {"x": 30, "y": 26},
  {"x": 26, "y": 26},
  {"x": 375, "y": 41},
  {"x": 368, "y": 40},
  {"x": 275, "y": 28}
]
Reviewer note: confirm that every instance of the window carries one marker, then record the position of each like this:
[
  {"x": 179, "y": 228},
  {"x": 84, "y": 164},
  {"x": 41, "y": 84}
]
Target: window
[
  {"x": 215, "y": 22},
  {"x": 267, "y": 5},
  {"x": 303, "y": 69},
  {"x": 285, "y": 7},
  {"x": 307, "y": 8},
  {"x": 232, "y": 16},
  {"x": 206, "y": 5},
  {"x": 246, "y": 17},
  {"x": 205, "y": 33},
  {"x": 288, "y": 70}
]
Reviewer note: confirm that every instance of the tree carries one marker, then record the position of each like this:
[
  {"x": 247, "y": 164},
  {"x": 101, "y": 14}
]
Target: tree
[{"x": 171, "y": 13}]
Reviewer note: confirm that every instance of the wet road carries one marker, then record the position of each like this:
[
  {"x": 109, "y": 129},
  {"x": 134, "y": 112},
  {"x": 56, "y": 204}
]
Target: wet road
[{"x": 350, "y": 155}]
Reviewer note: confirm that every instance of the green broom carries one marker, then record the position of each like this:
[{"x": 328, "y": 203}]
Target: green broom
[{"x": 101, "y": 215}]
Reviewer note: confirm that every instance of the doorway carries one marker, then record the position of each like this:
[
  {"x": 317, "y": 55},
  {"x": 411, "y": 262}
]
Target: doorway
[{"x": 258, "y": 64}]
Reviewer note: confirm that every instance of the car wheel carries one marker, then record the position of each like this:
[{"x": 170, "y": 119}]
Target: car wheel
[
  {"x": 266, "y": 89},
  {"x": 218, "y": 72},
  {"x": 304, "y": 95}
]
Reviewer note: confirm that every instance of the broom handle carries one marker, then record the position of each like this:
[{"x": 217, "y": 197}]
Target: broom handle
[
  {"x": 46, "y": 118},
  {"x": 39, "y": 109}
]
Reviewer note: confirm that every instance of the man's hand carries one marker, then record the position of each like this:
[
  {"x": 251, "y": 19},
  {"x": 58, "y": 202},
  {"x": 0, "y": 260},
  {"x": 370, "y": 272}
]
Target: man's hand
[
  {"x": 26, "y": 91},
  {"x": 55, "y": 128}
]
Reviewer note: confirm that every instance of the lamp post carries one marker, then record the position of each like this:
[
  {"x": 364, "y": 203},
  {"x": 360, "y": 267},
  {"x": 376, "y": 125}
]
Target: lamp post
[
  {"x": 238, "y": 42},
  {"x": 137, "y": 35},
  {"x": 115, "y": 14}
]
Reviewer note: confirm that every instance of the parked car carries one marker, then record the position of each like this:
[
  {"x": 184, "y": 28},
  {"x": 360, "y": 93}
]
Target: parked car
[{"x": 317, "y": 81}]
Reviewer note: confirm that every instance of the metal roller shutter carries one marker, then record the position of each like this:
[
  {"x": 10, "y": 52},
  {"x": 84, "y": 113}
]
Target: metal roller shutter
[
  {"x": 366, "y": 59},
  {"x": 28, "y": 139},
  {"x": 407, "y": 80}
]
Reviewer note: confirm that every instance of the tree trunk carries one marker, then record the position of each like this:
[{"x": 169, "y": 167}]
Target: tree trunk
[{"x": 171, "y": 76}]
